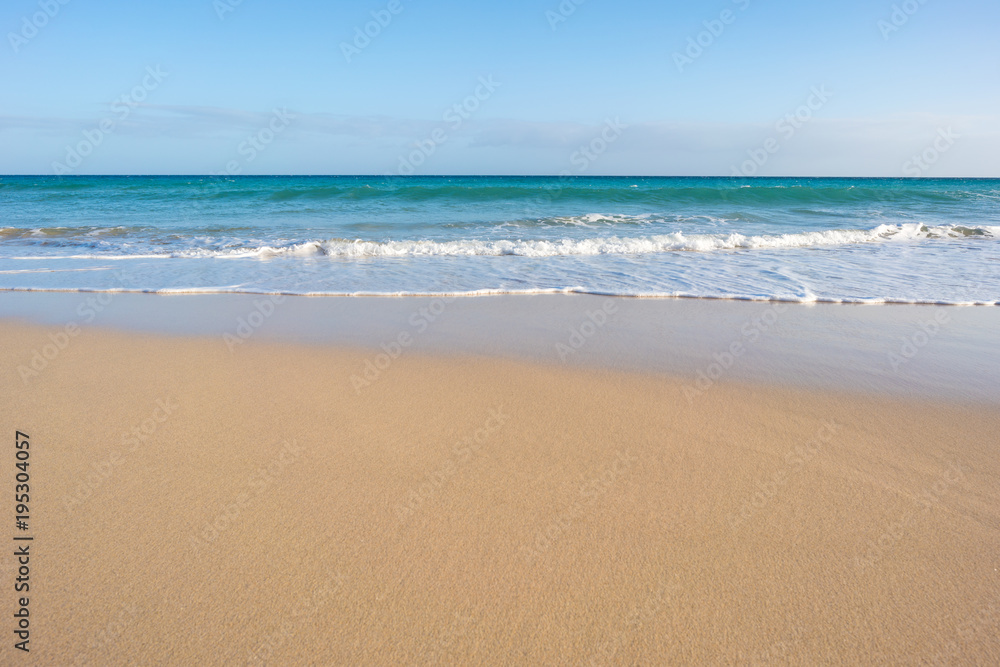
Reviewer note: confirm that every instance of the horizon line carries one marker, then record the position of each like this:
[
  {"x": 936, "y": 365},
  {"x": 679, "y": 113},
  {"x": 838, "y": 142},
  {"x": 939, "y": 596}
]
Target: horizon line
[{"x": 563, "y": 176}]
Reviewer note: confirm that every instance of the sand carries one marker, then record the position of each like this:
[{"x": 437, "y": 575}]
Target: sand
[{"x": 193, "y": 504}]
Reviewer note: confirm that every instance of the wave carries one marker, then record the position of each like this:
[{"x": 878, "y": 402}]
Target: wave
[
  {"x": 662, "y": 243},
  {"x": 608, "y": 245}
]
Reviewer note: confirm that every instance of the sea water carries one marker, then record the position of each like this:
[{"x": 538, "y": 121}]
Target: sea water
[{"x": 796, "y": 239}]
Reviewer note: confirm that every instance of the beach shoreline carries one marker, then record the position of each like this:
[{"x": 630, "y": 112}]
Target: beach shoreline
[
  {"x": 921, "y": 351},
  {"x": 265, "y": 501}
]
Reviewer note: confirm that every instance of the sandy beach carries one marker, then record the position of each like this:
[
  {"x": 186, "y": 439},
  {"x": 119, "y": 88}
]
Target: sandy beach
[
  {"x": 375, "y": 334},
  {"x": 268, "y": 502}
]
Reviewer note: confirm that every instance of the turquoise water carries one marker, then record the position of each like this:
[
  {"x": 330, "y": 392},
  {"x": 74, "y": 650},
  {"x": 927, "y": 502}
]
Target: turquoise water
[{"x": 894, "y": 240}]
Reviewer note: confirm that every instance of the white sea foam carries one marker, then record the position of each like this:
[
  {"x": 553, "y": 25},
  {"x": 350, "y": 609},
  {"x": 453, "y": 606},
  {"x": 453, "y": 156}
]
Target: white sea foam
[
  {"x": 613, "y": 245},
  {"x": 808, "y": 299},
  {"x": 17, "y": 271},
  {"x": 604, "y": 245}
]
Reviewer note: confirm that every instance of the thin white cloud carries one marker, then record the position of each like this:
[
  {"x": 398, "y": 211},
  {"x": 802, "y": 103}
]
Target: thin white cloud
[{"x": 822, "y": 146}]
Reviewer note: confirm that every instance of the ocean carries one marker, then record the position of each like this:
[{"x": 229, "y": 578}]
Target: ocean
[{"x": 795, "y": 239}]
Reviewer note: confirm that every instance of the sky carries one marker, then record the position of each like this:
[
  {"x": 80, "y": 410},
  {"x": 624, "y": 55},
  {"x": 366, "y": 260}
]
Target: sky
[{"x": 591, "y": 87}]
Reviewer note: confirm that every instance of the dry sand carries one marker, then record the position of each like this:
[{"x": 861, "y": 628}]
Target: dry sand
[{"x": 477, "y": 511}]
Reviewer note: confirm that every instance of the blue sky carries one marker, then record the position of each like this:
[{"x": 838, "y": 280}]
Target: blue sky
[{"x": 558, "y": 73}]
